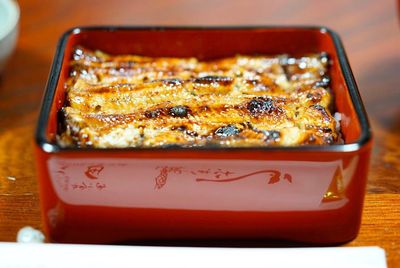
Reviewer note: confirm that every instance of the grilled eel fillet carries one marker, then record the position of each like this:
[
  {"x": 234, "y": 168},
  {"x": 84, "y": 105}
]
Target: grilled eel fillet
[{"x": 135, "y": 101}]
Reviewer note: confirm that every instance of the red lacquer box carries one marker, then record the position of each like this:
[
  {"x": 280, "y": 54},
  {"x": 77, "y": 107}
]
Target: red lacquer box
[{"x": 308, "y": 194}]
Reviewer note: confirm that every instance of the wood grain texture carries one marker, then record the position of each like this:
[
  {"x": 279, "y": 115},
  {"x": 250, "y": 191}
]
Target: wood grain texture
[
  {"x": 381, "y": 226},
  {"x": 370, "y": 32}
]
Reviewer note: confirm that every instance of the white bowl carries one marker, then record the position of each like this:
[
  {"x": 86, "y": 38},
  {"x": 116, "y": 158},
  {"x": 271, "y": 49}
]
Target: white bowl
[{"x": 9, "y": 18}]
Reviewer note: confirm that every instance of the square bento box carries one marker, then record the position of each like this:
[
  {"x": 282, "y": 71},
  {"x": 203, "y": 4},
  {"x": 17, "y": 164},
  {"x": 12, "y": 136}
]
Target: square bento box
[{"x": 308, "y": 194}]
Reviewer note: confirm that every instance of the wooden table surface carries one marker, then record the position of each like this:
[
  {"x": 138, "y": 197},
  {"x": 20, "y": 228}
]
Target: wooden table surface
[{"x": 370, "y": 31}]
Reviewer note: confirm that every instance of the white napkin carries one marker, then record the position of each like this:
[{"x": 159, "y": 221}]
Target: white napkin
[{"x": 13, "y": 255}]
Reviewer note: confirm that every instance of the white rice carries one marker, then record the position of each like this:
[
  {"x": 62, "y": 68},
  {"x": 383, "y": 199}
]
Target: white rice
[{"x": 338, "y": 119}]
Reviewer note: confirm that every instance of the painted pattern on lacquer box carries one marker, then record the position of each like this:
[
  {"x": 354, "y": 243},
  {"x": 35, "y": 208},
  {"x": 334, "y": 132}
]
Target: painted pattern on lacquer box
[{"x": 201, "y": 184}]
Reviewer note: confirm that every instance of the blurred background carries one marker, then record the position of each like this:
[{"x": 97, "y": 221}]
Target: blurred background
[{"x": 369, "y": 31}]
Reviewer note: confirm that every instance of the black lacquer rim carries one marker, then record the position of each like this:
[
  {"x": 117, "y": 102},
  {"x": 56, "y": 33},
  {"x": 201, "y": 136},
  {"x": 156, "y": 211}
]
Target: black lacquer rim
[{"x": 49, "y": 147}]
